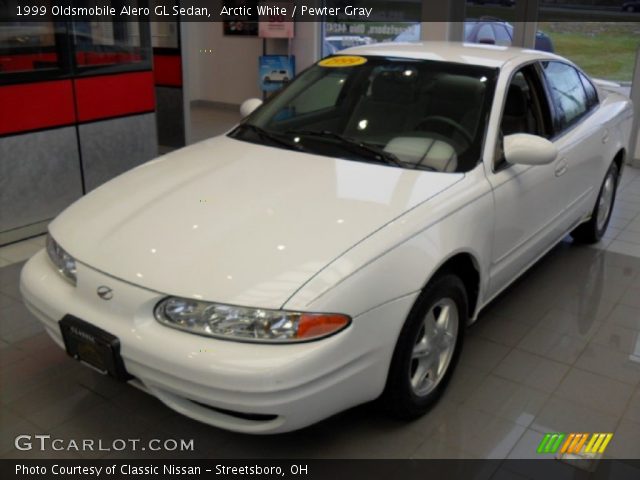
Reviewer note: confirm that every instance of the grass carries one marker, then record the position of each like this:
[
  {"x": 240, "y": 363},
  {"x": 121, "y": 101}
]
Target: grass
[{"x": 603, "y": 50}]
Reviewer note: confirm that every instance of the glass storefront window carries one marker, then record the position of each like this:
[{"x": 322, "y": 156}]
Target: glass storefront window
[
  {"x": 164, "y": 35},
  {"x": 108, "y": 43},
  {"x": 493, "y": 23},
  {"x": 27, "y": 47},
  {"x": 393, "y": 22},
  {"x": 340, "y": 35},
  {"x": 602, "y": 49}
]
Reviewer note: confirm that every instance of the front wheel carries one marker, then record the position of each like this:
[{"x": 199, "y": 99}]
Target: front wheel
[
  {"x": 593, "y": 230},
  {"x": 427, "y": 349}
]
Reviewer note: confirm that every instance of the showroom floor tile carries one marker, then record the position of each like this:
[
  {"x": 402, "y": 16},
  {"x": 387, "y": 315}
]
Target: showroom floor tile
[{"x": 559, "y": 351}]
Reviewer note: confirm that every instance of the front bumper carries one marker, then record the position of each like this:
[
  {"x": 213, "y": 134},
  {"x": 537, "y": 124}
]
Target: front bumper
[{"x": 237, "y": 386}]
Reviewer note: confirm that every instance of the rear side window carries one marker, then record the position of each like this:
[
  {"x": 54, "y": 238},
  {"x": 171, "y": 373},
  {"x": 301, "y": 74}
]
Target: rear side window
[{"x": 567, "y": 93}]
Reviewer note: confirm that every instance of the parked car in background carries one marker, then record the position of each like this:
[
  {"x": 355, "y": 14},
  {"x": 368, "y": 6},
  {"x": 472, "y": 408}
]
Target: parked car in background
[
  {"x": 332, "y": 248},
  {"x": 631, "y": 6},
  {"x": 491, "y": 32}
]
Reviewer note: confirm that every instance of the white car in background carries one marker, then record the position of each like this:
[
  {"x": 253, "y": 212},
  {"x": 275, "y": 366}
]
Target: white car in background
[{"x": 331, "y": 249}]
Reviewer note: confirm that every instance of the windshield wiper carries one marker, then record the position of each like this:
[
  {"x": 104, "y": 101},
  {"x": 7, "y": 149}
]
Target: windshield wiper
[
  {"x": 356, "y": 146},
  {"x": 266, "y": 134}
]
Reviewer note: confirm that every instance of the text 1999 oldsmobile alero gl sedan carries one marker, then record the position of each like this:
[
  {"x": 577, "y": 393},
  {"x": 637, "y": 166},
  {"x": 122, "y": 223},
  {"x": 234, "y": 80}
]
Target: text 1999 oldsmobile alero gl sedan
[{"x": 331, "y": 248}]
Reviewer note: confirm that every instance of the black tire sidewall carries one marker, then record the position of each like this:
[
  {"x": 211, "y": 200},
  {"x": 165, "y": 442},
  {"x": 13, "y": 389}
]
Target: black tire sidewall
[
  {"x": 399, "y": 396},
  {"x": 600, "y": 232},
  {"x": 588, "y": 232}
]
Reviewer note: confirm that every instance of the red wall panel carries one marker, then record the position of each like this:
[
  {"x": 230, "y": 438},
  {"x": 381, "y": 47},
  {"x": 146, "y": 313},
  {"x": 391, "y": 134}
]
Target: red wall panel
[
  {"x": 32, "y": 106},
  {"x": 25, "y": 63},
  {"x": 167, "y": 70},
  {"x": 114, "y": 95}
]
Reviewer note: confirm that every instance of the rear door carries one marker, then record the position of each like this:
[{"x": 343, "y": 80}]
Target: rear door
[{"x": 578, "y": 136}]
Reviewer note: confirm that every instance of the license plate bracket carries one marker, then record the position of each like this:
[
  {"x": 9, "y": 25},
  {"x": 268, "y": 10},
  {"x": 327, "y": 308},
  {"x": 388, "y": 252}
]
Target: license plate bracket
[{"x": 94, "y": 347}]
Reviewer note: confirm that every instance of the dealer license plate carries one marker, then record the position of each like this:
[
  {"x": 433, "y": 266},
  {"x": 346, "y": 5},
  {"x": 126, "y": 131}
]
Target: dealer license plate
[{"x": 93, "y": 346}]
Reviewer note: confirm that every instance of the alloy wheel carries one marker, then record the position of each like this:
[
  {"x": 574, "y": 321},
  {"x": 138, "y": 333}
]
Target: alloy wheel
[{"x": 434, "y": 347}]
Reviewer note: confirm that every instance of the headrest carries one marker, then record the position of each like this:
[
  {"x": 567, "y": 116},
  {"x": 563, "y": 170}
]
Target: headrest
[
  {"x": 390, "y": 86},
  {"x": 459, "y": 87},
  {"x": 516, "y": 104}
]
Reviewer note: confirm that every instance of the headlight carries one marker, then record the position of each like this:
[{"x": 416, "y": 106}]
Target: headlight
[
  {"x": 247, "y": 324},
  {"x": 64, "y": 262}
]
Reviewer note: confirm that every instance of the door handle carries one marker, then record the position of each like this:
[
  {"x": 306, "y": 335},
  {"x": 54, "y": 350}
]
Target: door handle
[{"x": 561, "y": 169}]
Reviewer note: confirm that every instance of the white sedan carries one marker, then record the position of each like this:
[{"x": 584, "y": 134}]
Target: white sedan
[{"x": 331, "y": 249}]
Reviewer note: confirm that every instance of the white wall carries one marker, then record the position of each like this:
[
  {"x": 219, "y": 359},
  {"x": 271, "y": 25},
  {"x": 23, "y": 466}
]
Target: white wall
[
  {"x": 306, "y": 44},
  {"x": 230, "y": 73}
]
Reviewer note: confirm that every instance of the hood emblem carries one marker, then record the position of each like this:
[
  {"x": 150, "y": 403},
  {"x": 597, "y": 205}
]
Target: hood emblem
[{"x": 104, "y": 292}]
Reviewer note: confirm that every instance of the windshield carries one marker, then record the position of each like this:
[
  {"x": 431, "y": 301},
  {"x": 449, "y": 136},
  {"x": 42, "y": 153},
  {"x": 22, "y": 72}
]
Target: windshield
[{"x": 411, "y": 113}]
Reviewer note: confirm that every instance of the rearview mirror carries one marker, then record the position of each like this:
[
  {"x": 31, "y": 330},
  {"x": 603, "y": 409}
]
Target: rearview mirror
[
  {"x": 248, "y": 106},
  {"x": 525, "y": 149}
]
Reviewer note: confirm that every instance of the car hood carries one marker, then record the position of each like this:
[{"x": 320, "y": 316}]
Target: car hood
[{"x": 231, "y": 221}]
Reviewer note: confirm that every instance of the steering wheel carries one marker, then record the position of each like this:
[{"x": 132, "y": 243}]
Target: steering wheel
[{"x": 448, "y": 122}]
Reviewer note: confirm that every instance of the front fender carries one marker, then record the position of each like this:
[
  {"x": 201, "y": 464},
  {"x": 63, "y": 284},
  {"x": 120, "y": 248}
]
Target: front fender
[{"x": 400, "y": 259}]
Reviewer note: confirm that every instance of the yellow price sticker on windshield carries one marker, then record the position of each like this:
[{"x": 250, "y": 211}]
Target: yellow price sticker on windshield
[{"x": 342, "y": 61}]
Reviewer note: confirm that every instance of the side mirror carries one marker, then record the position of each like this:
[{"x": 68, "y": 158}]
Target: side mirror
[
  {"x": 525, "y": 149},
  {"x": 248, "y": 106}
]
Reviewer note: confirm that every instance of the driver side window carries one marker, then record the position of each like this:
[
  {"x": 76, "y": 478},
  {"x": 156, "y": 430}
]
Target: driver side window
[{"x": 525, "y": 109}]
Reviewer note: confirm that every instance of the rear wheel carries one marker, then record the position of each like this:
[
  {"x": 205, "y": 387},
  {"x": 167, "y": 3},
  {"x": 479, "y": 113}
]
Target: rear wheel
[
  {"x": 593, "y": 230},
  {"x": 427, "y": 349}
]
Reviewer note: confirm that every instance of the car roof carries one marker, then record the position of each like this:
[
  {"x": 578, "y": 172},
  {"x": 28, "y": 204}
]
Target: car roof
[{"x": 467, "y": 53}]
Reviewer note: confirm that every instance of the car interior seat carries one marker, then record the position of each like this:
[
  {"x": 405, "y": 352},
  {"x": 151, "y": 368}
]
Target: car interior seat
[
  {"x": 386, "y": 107},
  {"x": 457, "y": 97},
  {"x": 516, "y": 117}
]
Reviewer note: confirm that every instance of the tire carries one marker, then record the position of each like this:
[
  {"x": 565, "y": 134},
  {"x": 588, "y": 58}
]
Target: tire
[
  {"x": 593, "y": 230},
  {"x": 405, "y": 396}
]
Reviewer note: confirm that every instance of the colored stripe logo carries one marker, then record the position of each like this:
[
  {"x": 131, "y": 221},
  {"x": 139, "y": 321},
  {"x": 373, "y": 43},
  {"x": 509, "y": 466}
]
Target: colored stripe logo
[{"x": 574, "y": 443}]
